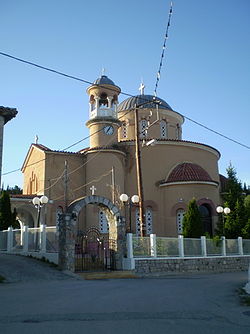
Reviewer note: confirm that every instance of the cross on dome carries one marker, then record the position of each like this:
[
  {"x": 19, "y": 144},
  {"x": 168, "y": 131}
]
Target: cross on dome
[
  {"x": 93, "y": 189},
  {"x": 141, "y": 88}
]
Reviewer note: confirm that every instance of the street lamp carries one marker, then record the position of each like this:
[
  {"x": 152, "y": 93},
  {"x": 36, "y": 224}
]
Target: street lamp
[
  {"x": 223, "y": 211},
  {"x": 130, "y": 201},
  {"x": 39, "y": 203}
]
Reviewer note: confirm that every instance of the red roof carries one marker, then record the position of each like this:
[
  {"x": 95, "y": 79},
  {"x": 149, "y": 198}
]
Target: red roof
[{"x": 188, "y": 172}]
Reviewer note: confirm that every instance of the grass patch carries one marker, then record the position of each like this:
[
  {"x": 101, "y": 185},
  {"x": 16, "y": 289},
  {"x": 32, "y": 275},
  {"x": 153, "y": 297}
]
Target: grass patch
[
  {"x": 244, "y": 297},
  {"x": 2, "y": 279}
]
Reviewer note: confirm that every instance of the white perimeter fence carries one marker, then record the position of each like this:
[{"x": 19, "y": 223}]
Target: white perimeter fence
[
  {"x": 153, "y": 247},
  {"x": 38, "y": 242}
]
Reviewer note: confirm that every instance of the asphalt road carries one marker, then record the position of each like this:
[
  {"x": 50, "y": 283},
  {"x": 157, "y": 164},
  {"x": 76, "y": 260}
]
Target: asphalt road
[{"x": 43, "y": 300}]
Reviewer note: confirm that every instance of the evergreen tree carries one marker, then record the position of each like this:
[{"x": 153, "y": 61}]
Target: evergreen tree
[
  {"x": 234, "y": 199},
  {"x": 192, "y": 225},
  {"x": 14, "y": 190},
  {"x": 6, "y": 217}
]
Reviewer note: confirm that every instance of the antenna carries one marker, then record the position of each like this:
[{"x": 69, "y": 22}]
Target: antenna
[{"x": 158, "y": 76}]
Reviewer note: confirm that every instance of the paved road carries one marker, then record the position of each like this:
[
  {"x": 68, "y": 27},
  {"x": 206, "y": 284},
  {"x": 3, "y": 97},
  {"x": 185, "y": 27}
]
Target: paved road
[{"x": 57, "y": 303}]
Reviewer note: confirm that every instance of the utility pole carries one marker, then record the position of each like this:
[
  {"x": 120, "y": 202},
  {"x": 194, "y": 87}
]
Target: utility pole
[
  {"x": 139, "y": 175},
  {"x": 113, "y": 183},
  {"x": 66, "y": 179}
]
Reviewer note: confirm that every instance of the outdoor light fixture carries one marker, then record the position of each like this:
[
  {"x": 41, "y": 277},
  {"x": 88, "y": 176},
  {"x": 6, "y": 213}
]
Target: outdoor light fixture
[
  {"x": 134, "y": 200},
  {"x": 222, "y": 210},
  {"x": 39, "y": 203}
]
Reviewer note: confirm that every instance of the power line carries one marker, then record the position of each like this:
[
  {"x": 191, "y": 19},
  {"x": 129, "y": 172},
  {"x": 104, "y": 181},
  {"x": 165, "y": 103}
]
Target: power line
[
  {"x": 127, "y": 94},
  {"x": 163, "y": 48}
]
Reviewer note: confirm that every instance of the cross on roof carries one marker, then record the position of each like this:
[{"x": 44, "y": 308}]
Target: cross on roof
[
  {"x": 93, "y": 189},
  {"x": 141, "y": 88}
]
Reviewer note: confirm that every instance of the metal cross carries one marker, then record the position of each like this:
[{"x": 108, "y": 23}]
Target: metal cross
[
  {"x": 93, "y": 189},
  {"x": 141, "y": 88}
]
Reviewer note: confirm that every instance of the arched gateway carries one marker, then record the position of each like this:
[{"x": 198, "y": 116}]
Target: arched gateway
[{"x": 69, "y": 240}]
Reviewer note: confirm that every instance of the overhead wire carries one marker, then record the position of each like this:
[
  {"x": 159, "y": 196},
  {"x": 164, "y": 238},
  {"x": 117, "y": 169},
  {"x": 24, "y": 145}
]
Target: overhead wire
[
  {"x": 124, "y": 93},
  {"x": 158, "y": 75}
]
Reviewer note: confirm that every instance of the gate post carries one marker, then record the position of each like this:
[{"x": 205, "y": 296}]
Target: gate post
[{"x": 66, "y": 256}]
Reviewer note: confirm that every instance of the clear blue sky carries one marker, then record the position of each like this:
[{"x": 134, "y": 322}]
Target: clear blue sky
[{"x": 205, "y": 75}]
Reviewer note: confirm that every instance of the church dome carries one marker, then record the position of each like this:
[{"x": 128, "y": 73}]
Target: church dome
[
  {"x": 186, "y": 172},
  {"x": 104, "y": 80},
  {"x": 131, "y": 102}
]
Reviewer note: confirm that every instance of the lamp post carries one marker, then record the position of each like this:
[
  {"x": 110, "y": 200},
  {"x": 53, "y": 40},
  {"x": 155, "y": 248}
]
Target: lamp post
[
  {"x": 39, "y": 203},
  {"x": 223, "y": 211},
  {"x": 130, "y": 201}
]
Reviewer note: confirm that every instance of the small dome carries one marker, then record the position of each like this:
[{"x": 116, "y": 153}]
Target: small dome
[
  {"x": 131, "y": 102},
  {"x": 185, "y": 172},
  {"x": 104, "y": 80}
]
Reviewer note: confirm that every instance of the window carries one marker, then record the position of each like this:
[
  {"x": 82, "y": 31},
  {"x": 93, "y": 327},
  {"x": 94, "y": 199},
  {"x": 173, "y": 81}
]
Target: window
[
  {"x": 163, "y": 129},
  {"x": 143, "y": 128},
  {"x": 149, "y": 221},
  {"x": 137, "y": 222},
  {"x": 103, "y": 222},
  {"x": 178, "y": 132},
  {"x": 103, "y": 100},
  {"x": 179, "y": 220},
  {"x": 124, "y": 130}
]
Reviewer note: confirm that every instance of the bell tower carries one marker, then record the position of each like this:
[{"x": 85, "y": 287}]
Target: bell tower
[{"x": 103, "y": 123}]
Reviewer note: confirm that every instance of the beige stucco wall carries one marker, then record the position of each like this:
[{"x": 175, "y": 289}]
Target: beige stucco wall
[
  {"x": 173, "y": 119},
  {"x": 157, "y": 163},
  {"x": 34, "y": 172}
]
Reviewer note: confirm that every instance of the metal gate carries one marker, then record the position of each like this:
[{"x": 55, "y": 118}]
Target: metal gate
[{"x": 94, "y": 252}]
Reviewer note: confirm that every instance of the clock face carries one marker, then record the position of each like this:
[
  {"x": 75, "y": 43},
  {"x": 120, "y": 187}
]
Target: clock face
[{"x": 108, "y": 129}]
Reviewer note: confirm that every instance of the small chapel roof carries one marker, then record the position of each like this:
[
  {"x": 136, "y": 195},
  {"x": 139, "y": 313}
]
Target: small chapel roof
[{"x": 187, "y": 171}]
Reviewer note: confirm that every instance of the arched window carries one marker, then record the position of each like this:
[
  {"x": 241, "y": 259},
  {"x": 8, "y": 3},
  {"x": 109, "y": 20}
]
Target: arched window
[
  {"x": 163, "y": 129},
  {"x": 149, "y": 221},
  {"x": 178, "y": 132},
  {"x": 103, "y": 100},
  {"x": 103, "y": 222},
  {"x": 179, "y": 220},
  {"x": 124, "y": 130},
  {"x": 137, "y": 222},
  {"x": 143, "y": 128},
  {"x": 206, "y": 218}
]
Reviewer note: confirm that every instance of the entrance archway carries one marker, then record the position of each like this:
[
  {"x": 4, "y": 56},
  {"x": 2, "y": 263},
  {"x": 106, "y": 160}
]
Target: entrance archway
[{"x": 68, "y": 231}]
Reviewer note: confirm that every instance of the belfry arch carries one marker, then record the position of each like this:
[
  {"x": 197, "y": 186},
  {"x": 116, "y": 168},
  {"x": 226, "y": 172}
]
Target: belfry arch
[{"x": 68, "y": 229}]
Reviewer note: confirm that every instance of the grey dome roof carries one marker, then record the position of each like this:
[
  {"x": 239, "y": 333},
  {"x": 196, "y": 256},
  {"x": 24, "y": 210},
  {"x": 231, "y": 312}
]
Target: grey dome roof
[
  {"x": 104, "y": 80},
  {"x": 131, "y": 102}
]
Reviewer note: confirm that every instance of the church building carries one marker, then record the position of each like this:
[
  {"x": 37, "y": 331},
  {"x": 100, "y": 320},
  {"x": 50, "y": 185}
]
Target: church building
[{"x": 173, "y": 170}]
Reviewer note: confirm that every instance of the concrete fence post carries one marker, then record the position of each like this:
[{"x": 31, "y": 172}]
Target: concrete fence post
[
  {"x": 240, "y": 246},
  {"x": 130, "y": 253},
  {"x": 181, "y": 245},
  {"x": 43, "y": 238},
  {"x": 153, "y": 251},
  {"x": 10, "y": 239},
  {"x": 223, "y": 249},
  {"x": 203, "y": 246},
  {"x": 25, "y": 239}
]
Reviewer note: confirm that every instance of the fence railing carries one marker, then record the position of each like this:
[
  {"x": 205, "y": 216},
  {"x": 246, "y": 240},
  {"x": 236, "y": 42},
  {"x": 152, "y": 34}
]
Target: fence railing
[
  {"x": 41, "y": 241},
  {"x": 152, "y": 246}
]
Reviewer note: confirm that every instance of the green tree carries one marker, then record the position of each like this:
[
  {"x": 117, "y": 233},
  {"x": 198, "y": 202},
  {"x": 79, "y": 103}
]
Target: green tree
[
  {"x": 234, "y": 199},
  {"x": 192, "y": 225},
  {"x": 14, "y": 190},
  {"x": 7, "y": 217},
  {"x": 247, "y": 206}
]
